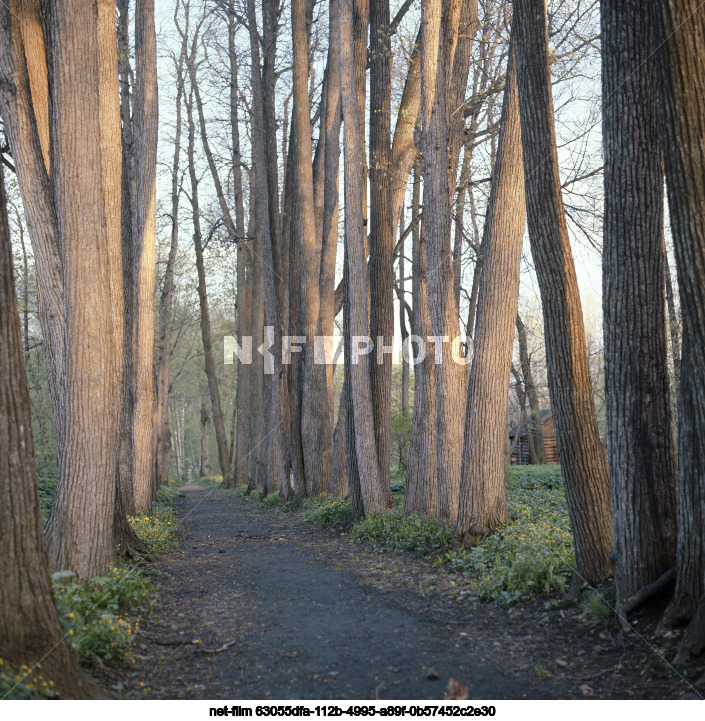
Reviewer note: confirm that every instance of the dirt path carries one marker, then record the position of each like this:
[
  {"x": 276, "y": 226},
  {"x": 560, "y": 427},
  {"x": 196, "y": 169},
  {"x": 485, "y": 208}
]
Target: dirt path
[{"x": 254, "y": 604}]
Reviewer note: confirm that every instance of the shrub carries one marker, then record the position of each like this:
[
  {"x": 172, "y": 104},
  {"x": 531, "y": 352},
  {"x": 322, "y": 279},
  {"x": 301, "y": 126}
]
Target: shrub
[
  {"x": 534, "y": 553},
  {"x": 92, "y": 613},
  {"x": 157, "y": 530},
  {"x": 210, "y": 481},
  {"x": 24, "y": 683},
  {"x": 394, "y": 531},
  {"x": 325, "y": 510},
  {"x": 47, "y": 475}
]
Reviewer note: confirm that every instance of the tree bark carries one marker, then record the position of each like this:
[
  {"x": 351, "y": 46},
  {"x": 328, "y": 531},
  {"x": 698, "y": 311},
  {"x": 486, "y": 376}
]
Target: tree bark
[
  {"x": 374, "y": 495},
  {"x": 582, "y": 457},
  {"x": 483, "y": 495},
  {"x": 381, "y": 231},
  {"x": 146, "y": 129},
  {"x": 640, "y": 446},
  {"x": 440, "y": 20},
  {"x": 681, "y": 63},
  {"x": 29, "y": 625},
  {"x": 421, "y": 490}
]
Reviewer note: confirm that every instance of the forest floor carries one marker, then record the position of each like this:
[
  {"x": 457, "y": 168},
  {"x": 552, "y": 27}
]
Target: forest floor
[{"x": 256, "y": 604}]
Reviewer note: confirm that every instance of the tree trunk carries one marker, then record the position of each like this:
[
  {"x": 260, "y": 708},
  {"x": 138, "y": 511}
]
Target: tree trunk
[
  {"x": 483, "y": 495},
  {"x": 206, "y": 334},
  {"x": 582, "y": 457},
  {"x": 421, "y": 491},
  {"x": 126, "y": 452},
  {"x": 244, "y": 277},
  {"x": 374, "y": 495},
  {"x": 29, "y": 625},
  {"x": 146, "y": 127},
  {"x": 681, "y": 60},
  {"x": 205, "y": 465},
  {"x": 167, "y": 295},
  {"x": 381, "y": 231},
  {"x": 536, "y": 444},
  {"x": 440, "y": 20},
  {"x": 404, "y": 332},
  {"x": 640, "y": 447}
]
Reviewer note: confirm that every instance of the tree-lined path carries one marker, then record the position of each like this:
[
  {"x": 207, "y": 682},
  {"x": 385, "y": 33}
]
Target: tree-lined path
[{"x": 313, "y": 614}]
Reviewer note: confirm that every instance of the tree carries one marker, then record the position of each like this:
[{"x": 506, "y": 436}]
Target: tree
[
  {"x": 144, "y": 159},
  {"x": 640, "y": 446},
  {"x": 582, "y": 458},
  {"x": 362, "y": 450},
  {"x": 483, "y": 498},
  {"x": 30, "y": 632},
  {"x": 681, "y": 65},
  {"x": 537, "y": 449},
  {"x": 440, "y": 20}
]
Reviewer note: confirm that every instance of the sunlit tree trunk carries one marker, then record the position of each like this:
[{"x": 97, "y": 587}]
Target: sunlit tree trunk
[
  {"x": 483, "y": 497},
  {"x": 29, "y": 625},
  {"x": 582, "y": 457}
]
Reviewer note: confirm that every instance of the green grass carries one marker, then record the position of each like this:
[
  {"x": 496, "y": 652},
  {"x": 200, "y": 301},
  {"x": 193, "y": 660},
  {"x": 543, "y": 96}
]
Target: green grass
[{"x": 158, "y": 529}]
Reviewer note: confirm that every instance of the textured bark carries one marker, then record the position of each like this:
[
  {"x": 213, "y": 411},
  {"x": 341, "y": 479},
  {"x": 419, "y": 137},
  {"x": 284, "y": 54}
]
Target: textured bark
[
  {"x": 582, "y": 457},
  {"x": 537, "y": 449},
  {"x": 80, "y": 529},
  {"x": 681, "y": 60},
  {"x": 381, "y": 230},
  {"x": 20, "y": 111},
  {"x": 126, "y": 452},
  {"x": 338, "y": 483},
  {"x": 277, "y": 435},
  {"x": 314, "y": 418},
  {"x": 440, "y": 20},
  {"x": 421, "y": 491},
  {"x": 374, "y": 495},
  {"x": 640, "y": 446},
  {"x": 29, "y": 625},
  {"x": 483, "y": 495},
  {"x": 144, "y": 148},
  {"x": 206, "y": 333}
]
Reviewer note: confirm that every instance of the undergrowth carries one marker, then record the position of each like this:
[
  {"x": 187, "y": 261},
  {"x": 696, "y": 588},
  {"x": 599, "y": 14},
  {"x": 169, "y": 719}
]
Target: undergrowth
[
  {"x": 157, "y": 529},
  {"x": 532, "y": 555}
]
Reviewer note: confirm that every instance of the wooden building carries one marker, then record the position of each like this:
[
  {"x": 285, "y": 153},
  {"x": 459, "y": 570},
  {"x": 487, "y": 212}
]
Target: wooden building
[{"x": 520, "y": 454}]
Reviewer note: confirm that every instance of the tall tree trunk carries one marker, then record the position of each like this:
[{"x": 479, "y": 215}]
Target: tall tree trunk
[
  {"x": 640, "y": 446},
  {"x": 582, "y": 457},
  {"x": 374, "y": 495},
  {"x": 537, "y": 449},
  {"x": 244, "y": 275},
  {"x": 681, "y": 59},
  {"x": 421, "y": 491},
  {"x": 206, "y": 333},
  {"x": 126, "y": 453},
  {"x": 29, "y": 625},
  {"x": 146, "y": 128},
  {"x": 167, "y": 295},
  {"x": 381, "y": 231},
  {"x": 273, "y": 290},
  {"x": 80, "y": 529},
  {"x": 440, "y": 20},
  {"x": 483, "y": 495},
  {"x": 403, "y": 330}
]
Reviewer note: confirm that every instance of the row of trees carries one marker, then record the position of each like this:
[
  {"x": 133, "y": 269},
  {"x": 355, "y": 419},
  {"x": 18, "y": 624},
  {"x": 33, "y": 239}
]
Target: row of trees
[{"x": 81, "y": 121}]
